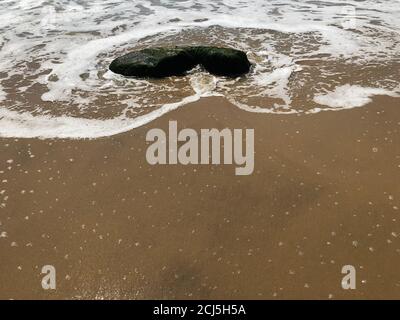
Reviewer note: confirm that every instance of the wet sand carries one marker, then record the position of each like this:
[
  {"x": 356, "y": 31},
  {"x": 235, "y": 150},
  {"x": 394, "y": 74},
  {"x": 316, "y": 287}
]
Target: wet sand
[{"x": 325, "y": 193}]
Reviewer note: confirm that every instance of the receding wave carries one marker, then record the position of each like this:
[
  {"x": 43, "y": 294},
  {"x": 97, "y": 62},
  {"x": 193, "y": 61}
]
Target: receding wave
[{"x": 55, "y": 83}]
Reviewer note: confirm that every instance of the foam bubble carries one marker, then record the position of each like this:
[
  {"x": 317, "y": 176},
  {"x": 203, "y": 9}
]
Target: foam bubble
[{"x": 350, "y": 96}]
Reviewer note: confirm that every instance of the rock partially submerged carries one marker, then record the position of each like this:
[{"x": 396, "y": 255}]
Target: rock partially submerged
[{"x": 166, "y": 62}]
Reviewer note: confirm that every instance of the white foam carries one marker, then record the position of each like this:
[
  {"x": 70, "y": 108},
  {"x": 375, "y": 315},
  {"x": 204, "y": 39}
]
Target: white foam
[
  {"x": 350, "y": 96},
  {"x": 203, "y": 84},
  {"x": 276, "y": 81},
  {"x": 256, "y": 109},
  {"x": 2, "y": 94},
  {"x": 24, "y": 125},
  {"x": 69, "y": 39},
  {"x": 81, "y": 56}
]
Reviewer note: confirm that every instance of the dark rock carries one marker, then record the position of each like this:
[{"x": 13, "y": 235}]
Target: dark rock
[
  {"x": 155, "y": 63},
  {"x": 166, "y": 62},
  {"x": 222, "y": 61}
]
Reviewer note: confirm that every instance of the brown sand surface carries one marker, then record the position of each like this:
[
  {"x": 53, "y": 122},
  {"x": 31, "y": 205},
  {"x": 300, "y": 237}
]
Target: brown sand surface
[{"x": 325, "y": 193}]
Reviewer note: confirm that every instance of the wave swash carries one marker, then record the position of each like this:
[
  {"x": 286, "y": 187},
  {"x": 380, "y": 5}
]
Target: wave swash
[{"x": 307, "y": 56}]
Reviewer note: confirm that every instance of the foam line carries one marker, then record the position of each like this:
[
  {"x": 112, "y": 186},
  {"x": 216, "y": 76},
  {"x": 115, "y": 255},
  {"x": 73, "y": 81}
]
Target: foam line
[{"x": 24, "y": 125}]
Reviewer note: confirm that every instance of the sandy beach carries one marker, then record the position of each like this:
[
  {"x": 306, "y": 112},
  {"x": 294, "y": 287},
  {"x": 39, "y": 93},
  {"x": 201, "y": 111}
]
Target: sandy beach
[
  {"x": 324, "y": 194},
  {"x": 84, "y": 214}
]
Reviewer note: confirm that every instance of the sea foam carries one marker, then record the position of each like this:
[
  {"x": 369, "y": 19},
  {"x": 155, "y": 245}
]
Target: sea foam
[
  {"x": 58, "y": 52},
  {"x": 351, "y": 96}
]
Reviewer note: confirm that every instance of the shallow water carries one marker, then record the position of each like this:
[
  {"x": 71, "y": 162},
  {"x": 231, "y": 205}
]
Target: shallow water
[{"x": 308, "y": 56}]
